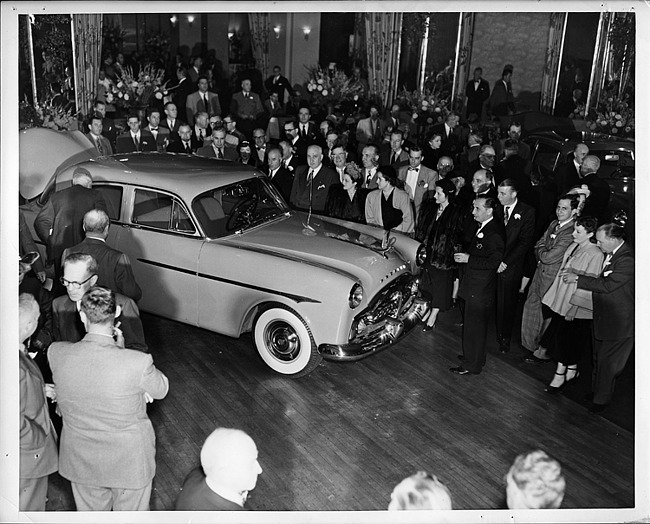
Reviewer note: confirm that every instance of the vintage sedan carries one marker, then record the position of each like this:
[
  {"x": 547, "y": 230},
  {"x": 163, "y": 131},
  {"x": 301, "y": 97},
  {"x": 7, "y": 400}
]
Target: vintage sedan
[{"x": 213, "y": 244}]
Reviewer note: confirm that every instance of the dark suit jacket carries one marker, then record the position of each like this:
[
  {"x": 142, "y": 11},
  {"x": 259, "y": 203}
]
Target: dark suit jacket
[
  {"x": 176, "y": 146},
  {"x": 596, "y": 204},
  {"x": 181, "y": 92},
  {"x": 196, "y": 495},
  {"x": 177, "y": 124},
  {"x": 566, "y": 176},
  {"x": 67, "y": 323},
  {"x": 402, "y": 160},
  {"x": 476, "y": 97},
  {"x": 107, "y": 438},
  {"x": 279, "y": 86},
  {"x": 125, "y": 143},
  {"x": 163, "y": 133},
  {"x": 64, "y": 213},
  {"x": 321, "y": 185},
  {"x": 229, "y": 152},
  {"x": 515, "y": 167},
  {"x": 451, "y": 145},
  {"x": 520, "y": 236},
  {"x": 485, "y": 255},
  {"x": 107, "y": 148},
  {"x": 114, "y": 267},
  {"x": 283, "y": 181},
  {"x": 38, "y": 451},
  {"x": 613, "y": 296}
]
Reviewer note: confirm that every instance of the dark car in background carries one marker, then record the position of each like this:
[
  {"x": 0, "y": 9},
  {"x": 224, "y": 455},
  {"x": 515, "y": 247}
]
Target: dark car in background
[{"x": 550, "y": 149}]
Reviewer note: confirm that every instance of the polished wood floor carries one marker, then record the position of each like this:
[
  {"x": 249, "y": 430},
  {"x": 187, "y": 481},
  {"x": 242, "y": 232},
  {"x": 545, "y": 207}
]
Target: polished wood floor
[{"x": 344, "y": 436}]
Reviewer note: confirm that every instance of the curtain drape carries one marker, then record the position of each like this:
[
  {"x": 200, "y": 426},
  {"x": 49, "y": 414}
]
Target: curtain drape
[
  {"x": 599, "y": 63},
  {"x": 553, "y": 58},
  {"x": 260, "y": 26},
  {"x": 383, "y": 32},
  {"x": 87, "y": 45},
  {"x": 463, "y": 60}
]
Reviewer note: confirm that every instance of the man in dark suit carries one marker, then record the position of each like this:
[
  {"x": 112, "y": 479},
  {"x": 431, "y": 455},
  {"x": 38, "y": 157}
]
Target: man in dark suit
[
  {"x": 451, "y": 141},
  {"x": 38, "y": 450},
  {"x": 160, "y": 134},
  {"x": 486, "y": 160},
  {"x": 307, "y": 130},
  {"x": 101, "y": 143},
  {"x": 502, "y": 101},
  {"x": 109, "y": 129},
  {"x": 281, "y": 177},
  {"x": 312, "y": 183},
  {"x": 477, "y": 92},
  {"x": 298, "y": 144},
  {"x": 261, "y": 147},
  {"x": 599, "y": 192},
  {"x": 478, "y": 284},
  {"x": 289, "y": 158},
  {"x": 183, "y": 88},
  {"x": 613, "y": 324},
  {"x": 185, "y": 143},
  {"x": 80, "y": 273},
  {"x": 514, "y": 134},
  {"x": 228, "y": 473},
  {"x": 567, "y": 175},
  {"x": 171, "y": 120},
  {"x": 370, "y": 163},
  {"x": 519, "y": 221},
  {"x": 201, "y": 130},
  {"x": 114, "y": 270},
  {"x": 515, "y": 168},
  {"x": 59, "y": 224},
  {"x": 135, "y": 139},
  {"x": 202, "y": 101},
  {"x": 278, "y": 84},
  {"x": 396, "y": 157},
  {"x": 108, "y": 443},
  {"x": 218, "y": 148}
]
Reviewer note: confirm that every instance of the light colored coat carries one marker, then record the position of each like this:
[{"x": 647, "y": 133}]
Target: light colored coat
[
  {"x": 425, "y": 182},
  {"x": 401, "y": 201},
  {"x": 107, "y": 438}
]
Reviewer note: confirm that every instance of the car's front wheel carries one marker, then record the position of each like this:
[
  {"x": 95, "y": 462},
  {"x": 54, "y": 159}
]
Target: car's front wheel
[{"x": 285, "y": 342}]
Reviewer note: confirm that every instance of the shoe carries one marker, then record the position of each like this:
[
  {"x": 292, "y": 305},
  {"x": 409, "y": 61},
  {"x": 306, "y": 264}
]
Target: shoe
[
  {"x": 428, "y": 327},
  {"x": 532, "y": 359},
  {"x": 597, "y": 408},
  {"x": 460, "y": 370},
  {"x": 553, "y": 390},
  {"x": 574, "y": 376}
]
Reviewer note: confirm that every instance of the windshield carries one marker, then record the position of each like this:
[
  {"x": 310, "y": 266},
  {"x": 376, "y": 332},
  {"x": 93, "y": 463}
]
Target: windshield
[{"x": 234, "y": 208}]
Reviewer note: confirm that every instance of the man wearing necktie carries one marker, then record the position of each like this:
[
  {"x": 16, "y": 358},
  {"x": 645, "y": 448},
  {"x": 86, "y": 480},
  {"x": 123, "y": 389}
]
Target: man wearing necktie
[
  {"x": 279, "y": 84},
  {"x": 218, "y": 148},
  {"x": 247, "y": 106},
  {"x": 95, "y": 135},
  {"x": 202, "y": 101},
  {"x": 613, "y": 324},
  {"x": 477, "y": 92},
  {"x": 396, "y": 157},
  {"x": 160, "y": 134},
  {"x": 135, "y": 139},
  {"x": 184, "y": 143},
  {"x": 549, "y": 251},
  {"x": 370, "y": 162},
  {"x": 418, "y": 179},
  {"x": 261, "y": 149},
  {"x": 339, "y": 157},
  {"x": 311, "y": 183}
]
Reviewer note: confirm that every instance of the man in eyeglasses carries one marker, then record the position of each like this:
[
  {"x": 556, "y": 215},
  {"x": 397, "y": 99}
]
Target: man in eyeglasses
[{"x": 80, "y": 273}]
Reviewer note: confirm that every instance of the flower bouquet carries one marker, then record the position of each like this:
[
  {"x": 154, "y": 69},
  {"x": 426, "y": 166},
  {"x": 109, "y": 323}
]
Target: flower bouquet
[
  {"x": 138, "y": 92},
  {"x": 47, "y": 115},
  {"x": 331, "y": 86},
  {"x": 427, "y": 107},
  {"x": 613, "y": 116}
]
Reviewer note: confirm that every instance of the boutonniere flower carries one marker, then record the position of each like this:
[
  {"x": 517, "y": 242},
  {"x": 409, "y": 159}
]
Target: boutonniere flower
[
  {"x": 607, "y": 273},
  {"x": 480, "y": 235},
  {"x": 553, "y": 235},
  {"x": 517, "y": 216},
  {"x": 479, "y": 246},
  {"x": 321, "y": 186},
  {"x": 290, "y": 168},
  {"x": 422, "y": 183}
]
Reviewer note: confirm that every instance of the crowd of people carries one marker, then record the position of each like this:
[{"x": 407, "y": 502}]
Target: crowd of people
[{"x": 494, "y": 233}]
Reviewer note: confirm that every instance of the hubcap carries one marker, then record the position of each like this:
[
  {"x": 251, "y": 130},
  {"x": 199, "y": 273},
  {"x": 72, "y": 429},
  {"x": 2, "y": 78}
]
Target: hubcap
[{"x": 282, "y": 341}]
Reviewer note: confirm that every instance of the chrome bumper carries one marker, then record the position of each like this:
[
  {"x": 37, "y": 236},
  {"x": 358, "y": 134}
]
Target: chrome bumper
[{"x": 379, "y": 335}]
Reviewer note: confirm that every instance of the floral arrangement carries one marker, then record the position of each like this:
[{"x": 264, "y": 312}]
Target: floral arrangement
[
  {"x": 613, "y": 116},
  {"x": 130, "y": 91},
  {"x": 427, "y": 106},
  {"x": 47, "y": 115},
  {"x": 331, "y": 86}
]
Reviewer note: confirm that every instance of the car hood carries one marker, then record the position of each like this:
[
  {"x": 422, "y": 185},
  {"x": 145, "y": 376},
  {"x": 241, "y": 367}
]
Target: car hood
[
  {"x": 44, "y": 152},
  {"x": 348, "y": 251}
]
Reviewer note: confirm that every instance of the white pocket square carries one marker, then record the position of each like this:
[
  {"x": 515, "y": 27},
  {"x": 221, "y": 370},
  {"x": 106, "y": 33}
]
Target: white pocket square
[{"x": 607, "y": 273}]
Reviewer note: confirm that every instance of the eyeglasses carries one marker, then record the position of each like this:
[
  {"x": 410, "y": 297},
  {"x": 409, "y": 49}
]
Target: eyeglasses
[
  {"x": 262, "y": 137},
  {"x": 72, "y": 284}
]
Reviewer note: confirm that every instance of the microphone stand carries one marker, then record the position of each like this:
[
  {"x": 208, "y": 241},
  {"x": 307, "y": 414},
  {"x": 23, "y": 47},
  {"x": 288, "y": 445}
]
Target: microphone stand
[{"x": 308, "y": 230}]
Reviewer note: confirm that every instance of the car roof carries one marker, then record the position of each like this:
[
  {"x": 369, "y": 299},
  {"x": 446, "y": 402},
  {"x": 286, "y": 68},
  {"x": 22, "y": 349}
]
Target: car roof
[
  {"x": 186, "y": 175},
  {"x": 595, "y": 141}
]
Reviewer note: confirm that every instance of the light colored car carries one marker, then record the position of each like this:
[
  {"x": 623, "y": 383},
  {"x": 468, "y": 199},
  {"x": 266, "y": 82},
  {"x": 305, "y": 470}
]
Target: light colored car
[{"x": 213, "y": 244}]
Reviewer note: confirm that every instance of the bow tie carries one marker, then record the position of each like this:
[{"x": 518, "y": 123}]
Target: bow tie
[
  {"x": 260, "y": 148},
  {"x": 413, "y": 168},
  {"x": 154, "y": 129}
]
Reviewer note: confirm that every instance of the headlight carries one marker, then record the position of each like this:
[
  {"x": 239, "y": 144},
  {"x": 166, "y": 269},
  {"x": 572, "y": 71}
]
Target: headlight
[
  {"x": 356, "y": 296},
  {"x": 421, "y": 255}
]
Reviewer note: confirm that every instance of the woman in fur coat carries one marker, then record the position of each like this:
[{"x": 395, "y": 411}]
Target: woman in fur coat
[{"x": 440, "y": 225}]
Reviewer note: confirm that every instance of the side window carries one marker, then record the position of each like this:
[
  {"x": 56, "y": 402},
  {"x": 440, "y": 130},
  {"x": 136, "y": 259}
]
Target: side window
[
  {"x": 112, "y": 195},
  {"x": 161, "y": 211},
  {"x": 546, "y": 157}
]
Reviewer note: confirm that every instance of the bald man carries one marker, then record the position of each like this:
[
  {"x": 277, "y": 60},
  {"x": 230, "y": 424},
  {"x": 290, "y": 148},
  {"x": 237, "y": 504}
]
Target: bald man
[{"x": 228, "y": 472}]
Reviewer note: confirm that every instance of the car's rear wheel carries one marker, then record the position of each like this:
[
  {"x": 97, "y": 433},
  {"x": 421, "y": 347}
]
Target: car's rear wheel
[{"x": 285, "y": 342}]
